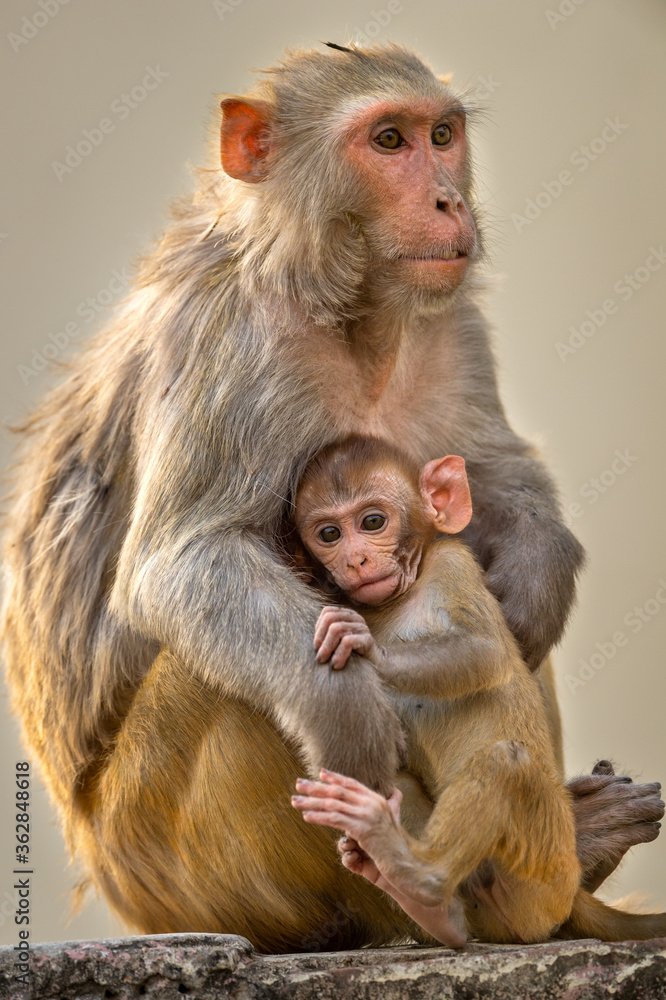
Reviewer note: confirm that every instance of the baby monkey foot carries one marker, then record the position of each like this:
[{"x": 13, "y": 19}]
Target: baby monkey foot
[
  {"x": 376, "y": 847},
  {"x": 446, "y": 923},
  {"x": 374, "y": 822}
]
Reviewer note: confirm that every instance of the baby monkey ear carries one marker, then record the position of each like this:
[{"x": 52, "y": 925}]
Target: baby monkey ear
[
  {"x": 445, "y": 491},
  {"x": 244, "y": 142}
]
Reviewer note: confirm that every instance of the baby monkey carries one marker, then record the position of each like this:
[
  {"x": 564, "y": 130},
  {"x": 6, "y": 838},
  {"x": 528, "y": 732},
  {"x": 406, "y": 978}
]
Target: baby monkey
[{"x": 497, "y": 855}]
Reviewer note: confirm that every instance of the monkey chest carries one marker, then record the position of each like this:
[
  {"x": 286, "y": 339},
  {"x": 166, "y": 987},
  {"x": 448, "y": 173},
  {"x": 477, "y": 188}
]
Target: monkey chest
[{"x": 410, "y": 400}]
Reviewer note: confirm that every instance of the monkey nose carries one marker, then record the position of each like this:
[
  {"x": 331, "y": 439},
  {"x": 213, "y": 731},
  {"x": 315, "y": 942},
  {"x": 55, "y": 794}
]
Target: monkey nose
[
  {"x": 355, "y": 562},
  {"x": 450, "y": 206}
]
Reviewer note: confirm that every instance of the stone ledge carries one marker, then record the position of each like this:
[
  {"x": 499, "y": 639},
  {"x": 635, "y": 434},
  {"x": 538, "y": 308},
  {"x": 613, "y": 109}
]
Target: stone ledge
[{"x": 217, "y": 965}]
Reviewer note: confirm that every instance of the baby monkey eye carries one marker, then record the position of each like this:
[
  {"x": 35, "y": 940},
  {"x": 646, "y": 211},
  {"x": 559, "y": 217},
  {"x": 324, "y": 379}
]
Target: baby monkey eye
[
  {"x": 373, "y": 522},
  {"x": 330, "y": 534},
  {"x": 441, "y": 135},
  {"x": 390, "y": 138}
]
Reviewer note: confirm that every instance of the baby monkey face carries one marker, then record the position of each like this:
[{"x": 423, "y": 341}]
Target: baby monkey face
[{"x": 364, "y": 539}]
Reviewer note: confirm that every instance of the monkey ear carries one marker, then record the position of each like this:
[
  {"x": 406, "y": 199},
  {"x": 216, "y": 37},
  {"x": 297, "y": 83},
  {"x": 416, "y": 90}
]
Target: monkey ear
[
  {"x": 445, "y": 490},
  {"x": 244, "y": 141}
]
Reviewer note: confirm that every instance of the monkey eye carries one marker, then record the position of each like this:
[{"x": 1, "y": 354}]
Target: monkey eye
[
  {"x": 390, "y": 138},
  {"x": 373, "y": 522},
  {"x": 441, "y": 135},
  {"x": 330, "y": 534}
]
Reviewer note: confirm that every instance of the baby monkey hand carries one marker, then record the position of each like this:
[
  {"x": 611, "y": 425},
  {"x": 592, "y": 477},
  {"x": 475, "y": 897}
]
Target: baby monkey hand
[{"x": 339, "y": 633}]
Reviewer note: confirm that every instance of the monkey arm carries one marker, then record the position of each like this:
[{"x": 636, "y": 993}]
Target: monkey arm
[
  {"x": 531, "y": 558},
  {"x": 472, "y": 651},
  {"x": 225, "y": 604},
  {"x": 453, "y": 665}
]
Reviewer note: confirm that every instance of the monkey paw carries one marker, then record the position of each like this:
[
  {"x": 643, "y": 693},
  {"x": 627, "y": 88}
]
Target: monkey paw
[
  {"x": 612, "y": 814},
  {"x": 357, "y": 860}
]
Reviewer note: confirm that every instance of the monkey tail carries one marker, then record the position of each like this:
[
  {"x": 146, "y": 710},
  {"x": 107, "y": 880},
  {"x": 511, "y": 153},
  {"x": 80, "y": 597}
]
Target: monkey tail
[{"x": 590, "y": 918}]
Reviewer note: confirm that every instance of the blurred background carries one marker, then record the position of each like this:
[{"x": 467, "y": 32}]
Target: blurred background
[{"x": 104, "y": 104}]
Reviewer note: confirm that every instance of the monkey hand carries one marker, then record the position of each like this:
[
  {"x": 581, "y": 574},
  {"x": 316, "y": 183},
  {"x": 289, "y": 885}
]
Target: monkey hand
[
  {"x": 536, "y": 602},
  {"x": 341, "y": 631}
]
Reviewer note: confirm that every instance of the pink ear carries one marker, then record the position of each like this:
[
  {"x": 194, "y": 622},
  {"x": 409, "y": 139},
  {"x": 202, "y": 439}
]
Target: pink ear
[
  {"x": 244, "y": 139},
  {"x": 446, "y": 491}
]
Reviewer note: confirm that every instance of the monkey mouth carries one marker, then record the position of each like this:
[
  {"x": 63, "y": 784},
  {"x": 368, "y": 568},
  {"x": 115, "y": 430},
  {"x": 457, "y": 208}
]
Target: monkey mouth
[
  {"x": 429, "y": 257},
  {"x": 375, "y": 591}
]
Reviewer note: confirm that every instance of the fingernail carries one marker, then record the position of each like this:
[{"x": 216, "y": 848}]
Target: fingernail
[
  {"x": 296, "y": 799},
  {"x": 324, "y": 771}
]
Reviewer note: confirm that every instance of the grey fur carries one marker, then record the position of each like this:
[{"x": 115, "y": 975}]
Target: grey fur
[{"x": 144, "y": 519}]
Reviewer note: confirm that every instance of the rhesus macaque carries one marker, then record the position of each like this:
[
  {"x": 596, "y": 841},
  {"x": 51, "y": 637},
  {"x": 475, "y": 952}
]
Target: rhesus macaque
[
  {"x": 501, "y": 834},
  {"x": 319, "y": 282}
]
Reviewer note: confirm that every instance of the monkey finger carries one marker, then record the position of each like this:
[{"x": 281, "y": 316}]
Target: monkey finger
[
  {"x": 603, "y": 767},
  {"x": 353, "y": 861},
  {"x": 364, "y": 813},
  {"x": 336, "y": 611},
  {"x": 321, "y": 818},
  {"x": 316, "y": 802},
  {"x": 335, "y": 634},
  {"x": 341, "y": 625},
  {"x": 347, "y": 844},
  {"x": 330, "y": 615},
  {"x": 348, "y": 644},
  {"x": 334, "y": 777},
  {"x": 319, "y": 791},
  {"x": 589, "y": 783},
  {"x": 361, "y": 793},
  {"x": 394, "y": 804}
]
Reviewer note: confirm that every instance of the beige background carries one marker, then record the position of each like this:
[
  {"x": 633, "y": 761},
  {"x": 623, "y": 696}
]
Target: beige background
[{"x": 549, "y": 83}]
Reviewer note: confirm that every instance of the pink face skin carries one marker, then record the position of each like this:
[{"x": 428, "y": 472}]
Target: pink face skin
[
  {"x": 361, "y": 543},
  {"x": 413, "y": 157}
]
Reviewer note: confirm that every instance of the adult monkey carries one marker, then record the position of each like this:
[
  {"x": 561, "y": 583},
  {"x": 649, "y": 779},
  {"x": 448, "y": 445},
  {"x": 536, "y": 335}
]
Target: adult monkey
[{"x": 159, "y": 651}]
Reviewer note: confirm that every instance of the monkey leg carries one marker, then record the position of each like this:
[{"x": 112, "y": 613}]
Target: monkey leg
[
  {"x": 189, "y": 827},
  {"x": 416, "y": 808},
  {"x": 504, "y": 828}
]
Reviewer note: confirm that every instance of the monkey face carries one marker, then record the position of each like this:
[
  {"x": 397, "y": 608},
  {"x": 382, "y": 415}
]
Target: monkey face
[
  {"x": 413, "y": 160},
  {"x": 363, "y": 542}
]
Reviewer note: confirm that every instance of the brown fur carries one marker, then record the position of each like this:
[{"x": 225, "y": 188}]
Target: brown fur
[
  {"x": 143, "y": 535},
  {"x": 501, "y": 832}
]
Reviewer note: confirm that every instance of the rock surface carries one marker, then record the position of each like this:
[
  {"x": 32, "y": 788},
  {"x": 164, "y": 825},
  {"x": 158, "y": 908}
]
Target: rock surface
[{"x": 215, "y": 965}]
